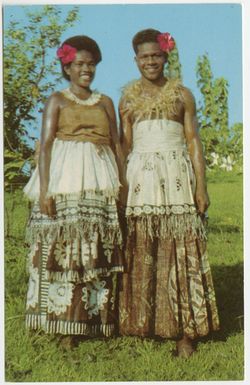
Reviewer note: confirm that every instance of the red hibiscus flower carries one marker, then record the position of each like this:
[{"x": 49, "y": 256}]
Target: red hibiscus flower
[
  {"x": 66, "y": 53},
  {"x": 166, "y": 42}
]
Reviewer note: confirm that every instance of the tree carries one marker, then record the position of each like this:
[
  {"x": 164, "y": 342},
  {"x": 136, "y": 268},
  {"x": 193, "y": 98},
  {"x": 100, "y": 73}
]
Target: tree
[
  {"x": 236, "y": 143},
  {"x": 213, "y": 110},
  {"x": 26, "y": 72}
]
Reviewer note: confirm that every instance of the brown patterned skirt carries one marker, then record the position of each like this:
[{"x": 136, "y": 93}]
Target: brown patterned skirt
[
  {"x": 167, "y": 289},
  {"x": 72, "y": 267}
]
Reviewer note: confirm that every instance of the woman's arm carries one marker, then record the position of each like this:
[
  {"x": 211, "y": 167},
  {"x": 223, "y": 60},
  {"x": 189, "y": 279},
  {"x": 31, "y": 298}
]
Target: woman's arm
[
  {"x": 195, "y": 150},
  {"x": 115, "y": 140},
  {"x": 49, "y": 128}
]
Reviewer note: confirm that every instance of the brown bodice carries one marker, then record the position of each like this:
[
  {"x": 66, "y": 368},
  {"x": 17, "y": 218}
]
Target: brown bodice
[{"x": 85, "y": 123}]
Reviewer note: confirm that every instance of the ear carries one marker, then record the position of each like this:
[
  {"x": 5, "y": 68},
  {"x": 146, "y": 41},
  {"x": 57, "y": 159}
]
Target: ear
[{"x": 135, "y": 59}]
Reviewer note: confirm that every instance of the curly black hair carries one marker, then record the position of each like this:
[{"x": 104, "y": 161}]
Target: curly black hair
[
  {"x": 145, "y": 36},
  {"x": 82, "y": 42}
]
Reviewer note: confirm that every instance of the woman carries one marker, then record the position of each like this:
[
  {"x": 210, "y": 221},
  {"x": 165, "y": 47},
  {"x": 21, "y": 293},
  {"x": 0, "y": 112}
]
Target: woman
[{"x": 73, "y": 231}]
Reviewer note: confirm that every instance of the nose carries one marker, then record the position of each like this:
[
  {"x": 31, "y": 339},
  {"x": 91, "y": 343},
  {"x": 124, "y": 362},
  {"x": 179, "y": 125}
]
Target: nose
[
  {"x": 87, "y": 67},
  {"x": 151, "y": 60}
]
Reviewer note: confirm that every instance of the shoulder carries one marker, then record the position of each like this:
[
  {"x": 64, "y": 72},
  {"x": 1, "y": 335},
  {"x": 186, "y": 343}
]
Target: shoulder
[
  {"x": 188, "y": 100},
  {"x": 55, "y": 100},
  {"x": 187, "y": 95},
  {"x": 57, "y": 96},
  {"x": 108, "y": 104},
  {"x": 130, "y": 93},
  {"x": 107, "y": 101},
  {"x": 131, "y": 88}
]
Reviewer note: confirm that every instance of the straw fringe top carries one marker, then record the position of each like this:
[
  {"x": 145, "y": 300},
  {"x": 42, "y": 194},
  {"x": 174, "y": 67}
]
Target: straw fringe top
[{"x": 161, "y": 105}]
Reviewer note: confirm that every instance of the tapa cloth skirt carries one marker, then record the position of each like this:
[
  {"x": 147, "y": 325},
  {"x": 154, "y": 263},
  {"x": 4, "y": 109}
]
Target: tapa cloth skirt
[
  {"x": 75, "y": 257},
  {"x": 167, "y": 289}
]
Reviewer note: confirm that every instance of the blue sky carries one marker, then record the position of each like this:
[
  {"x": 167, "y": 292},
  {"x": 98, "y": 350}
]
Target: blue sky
[{"x": 215, "y": 29}]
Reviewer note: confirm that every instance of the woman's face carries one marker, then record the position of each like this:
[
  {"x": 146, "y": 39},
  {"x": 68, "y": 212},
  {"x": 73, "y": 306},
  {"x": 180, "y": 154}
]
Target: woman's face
[
  {"x": 150, "y": 61},
  {"x": 82, "y": 69}
]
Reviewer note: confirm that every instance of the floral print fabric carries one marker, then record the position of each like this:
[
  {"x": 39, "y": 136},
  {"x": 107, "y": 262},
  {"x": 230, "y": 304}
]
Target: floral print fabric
[{"x": 72, "y": 283}]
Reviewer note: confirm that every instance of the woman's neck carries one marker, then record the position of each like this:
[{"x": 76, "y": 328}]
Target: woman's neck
[{"x": 81, "y": 92}]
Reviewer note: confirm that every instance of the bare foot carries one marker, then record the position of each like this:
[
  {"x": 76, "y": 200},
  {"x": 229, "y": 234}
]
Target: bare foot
[
  {"x": 67, "y": 342},
  {"x": 185, "y": 347}
]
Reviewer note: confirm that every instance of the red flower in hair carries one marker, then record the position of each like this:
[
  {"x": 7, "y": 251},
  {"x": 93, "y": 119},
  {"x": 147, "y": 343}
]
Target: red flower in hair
[
  {"x": 66, "y": 53},
  {"x": 166, "y": 42}
]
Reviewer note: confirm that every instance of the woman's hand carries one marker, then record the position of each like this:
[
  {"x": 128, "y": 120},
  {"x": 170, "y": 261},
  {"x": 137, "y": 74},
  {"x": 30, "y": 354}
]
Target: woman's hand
[
  {"x": 47, "y": 206},
  {"x": 202, "y": 199}
]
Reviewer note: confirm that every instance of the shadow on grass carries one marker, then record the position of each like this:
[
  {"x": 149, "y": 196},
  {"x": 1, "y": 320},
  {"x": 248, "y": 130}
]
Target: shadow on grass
[
  {"x": 224, "y": 177},
  {"x": 223, "y": 228},
  {"x": 228, "y": 282}
]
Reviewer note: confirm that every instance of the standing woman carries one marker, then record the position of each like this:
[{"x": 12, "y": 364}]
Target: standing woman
[{"x": 74, "y": 234}]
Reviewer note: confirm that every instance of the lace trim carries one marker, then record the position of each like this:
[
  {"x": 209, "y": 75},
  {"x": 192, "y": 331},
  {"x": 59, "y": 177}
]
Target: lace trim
[
  {"x": 35, "y": 321},
  {"x": 160, "y": 210},
  {"x": 94, "y": 98}
]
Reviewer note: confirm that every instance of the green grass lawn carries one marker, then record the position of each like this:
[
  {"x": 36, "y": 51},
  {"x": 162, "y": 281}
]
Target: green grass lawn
[{"x": 37, "y": 357}]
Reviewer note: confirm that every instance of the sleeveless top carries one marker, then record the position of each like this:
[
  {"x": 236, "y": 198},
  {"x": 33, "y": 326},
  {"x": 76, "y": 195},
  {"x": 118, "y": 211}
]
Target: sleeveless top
[{"x": 83, "y": 121}]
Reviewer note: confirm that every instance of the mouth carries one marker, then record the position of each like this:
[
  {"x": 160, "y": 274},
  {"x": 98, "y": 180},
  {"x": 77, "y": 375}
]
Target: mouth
[
  {"x": 86, "y": 77},
  {"x": 151, "y": 70}
]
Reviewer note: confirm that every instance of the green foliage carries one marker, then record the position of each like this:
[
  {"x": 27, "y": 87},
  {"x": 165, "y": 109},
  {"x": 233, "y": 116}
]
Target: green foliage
[
  {"x": 173, "y": 68},
  {"x": 16, "y": 212},
  {"x": 36, "y": 357},
  {"x": 26, "y": 72},
  {"x": 213, "y": 113},
  {"x": 14, "y": 167},
  {"x": 236, "y": 141},
  {"x": 222, "y": 145}
]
